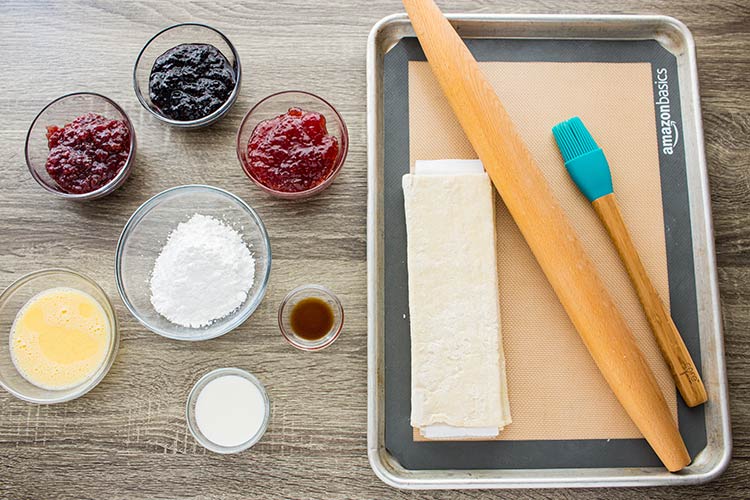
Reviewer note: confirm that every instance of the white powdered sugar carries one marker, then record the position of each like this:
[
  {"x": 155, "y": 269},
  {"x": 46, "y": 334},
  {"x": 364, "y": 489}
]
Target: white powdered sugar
[{"x": 202, "y": 274}]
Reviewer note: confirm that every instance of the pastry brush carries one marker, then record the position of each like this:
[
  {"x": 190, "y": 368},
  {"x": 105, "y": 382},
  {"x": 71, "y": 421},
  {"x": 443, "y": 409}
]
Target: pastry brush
[{"x": 587, "y": 165}]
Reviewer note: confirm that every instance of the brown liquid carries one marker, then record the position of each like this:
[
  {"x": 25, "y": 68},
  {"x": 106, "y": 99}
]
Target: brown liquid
[{"x": 311, "y": 318}]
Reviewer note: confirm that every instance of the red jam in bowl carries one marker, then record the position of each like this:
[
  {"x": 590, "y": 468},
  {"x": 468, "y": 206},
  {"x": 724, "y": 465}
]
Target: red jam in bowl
[
  {"x": 87, "y": 153},
  {"x": 292, "y": 152}
]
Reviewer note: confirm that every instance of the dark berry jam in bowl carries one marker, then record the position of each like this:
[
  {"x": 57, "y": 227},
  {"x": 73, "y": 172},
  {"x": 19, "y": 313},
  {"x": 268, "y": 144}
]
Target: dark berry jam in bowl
[
  {"x": 81, "y": 146},
  {"x": 292, "y": 144},
  {"x": 188, "y": 75}
]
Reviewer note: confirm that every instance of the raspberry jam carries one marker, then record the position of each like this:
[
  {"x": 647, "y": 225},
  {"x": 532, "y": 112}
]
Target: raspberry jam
[
  {"x": 87, "y": 153},
  {"x": 292, "y": 152}
]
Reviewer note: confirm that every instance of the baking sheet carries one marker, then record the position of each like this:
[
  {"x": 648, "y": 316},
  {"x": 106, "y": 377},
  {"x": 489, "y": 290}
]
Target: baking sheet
[
  {"x": 670, "y": 35},
  {"x": 564, "y": 413}
]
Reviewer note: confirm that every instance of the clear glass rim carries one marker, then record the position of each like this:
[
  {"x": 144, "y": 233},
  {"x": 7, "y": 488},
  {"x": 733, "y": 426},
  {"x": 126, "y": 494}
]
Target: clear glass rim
[
  {"x": 116, "y": 181},
  {"x": 193, "y": 396},
  {"x": 141, "y": 212},
  {"x": 208, "y": 119},
  {"x": 324, "y": 341},
  {"x": 114, "y": 340},
  {"x": 314, "y": 190}
]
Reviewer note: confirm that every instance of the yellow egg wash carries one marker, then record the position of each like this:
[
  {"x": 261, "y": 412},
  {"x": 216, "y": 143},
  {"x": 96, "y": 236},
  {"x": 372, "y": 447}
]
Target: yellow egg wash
[{"x": 59, "y": 338}]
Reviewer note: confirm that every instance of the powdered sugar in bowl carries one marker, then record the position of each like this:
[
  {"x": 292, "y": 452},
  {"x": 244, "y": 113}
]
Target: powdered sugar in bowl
[{"x": 193, "y": 262}]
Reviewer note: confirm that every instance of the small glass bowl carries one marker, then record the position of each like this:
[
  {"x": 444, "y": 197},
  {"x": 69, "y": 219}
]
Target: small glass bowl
[
  {"x": 14, "y": 298},
  {"x": 145, "y": 234},
  {"x": 169, "y": 38},
  {"x": 193, "y": 398},
  {"x": 278, "y": 104},
  {"x": 291, "y": 300},
  {"x": 64, "y": 110}
]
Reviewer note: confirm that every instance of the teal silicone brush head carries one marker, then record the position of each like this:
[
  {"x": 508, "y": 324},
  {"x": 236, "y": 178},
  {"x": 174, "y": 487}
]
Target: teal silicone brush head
[
  {"x": 584, "y": 159},
  {"x": 573, "y": 138}
]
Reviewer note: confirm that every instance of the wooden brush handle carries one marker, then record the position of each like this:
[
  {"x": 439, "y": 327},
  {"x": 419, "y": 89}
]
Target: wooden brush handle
[
  {"x": 667, "y": 336},
  {"x": 547, "y": 231}
]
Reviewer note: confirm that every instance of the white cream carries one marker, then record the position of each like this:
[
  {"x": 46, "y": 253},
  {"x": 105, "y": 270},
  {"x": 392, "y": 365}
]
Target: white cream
[{"x": 230, "y": 410}]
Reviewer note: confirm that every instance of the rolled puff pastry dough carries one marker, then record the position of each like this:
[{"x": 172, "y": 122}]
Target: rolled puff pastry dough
[{"x": 457, "y": 363}]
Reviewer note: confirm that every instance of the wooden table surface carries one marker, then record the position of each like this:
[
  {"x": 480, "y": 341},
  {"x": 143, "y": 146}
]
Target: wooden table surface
[{"x": 127, "y": 439}]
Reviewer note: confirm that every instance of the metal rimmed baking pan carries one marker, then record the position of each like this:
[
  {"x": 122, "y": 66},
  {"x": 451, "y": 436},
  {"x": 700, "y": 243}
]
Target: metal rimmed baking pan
[{"x": 715, "y": 445}]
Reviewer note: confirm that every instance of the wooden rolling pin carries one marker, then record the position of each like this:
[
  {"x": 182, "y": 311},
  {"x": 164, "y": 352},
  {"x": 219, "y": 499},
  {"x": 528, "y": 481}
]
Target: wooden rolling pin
[{"x": 547, "y": 231}]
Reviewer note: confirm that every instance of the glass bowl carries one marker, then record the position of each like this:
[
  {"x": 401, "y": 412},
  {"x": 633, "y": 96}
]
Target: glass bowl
[
  {"x": 14, "y": 298},
  {"x": 278, "y": 104},
  {"x": 171, "y": 37},
  {"x": 145, "y": 234},
  {"x": 64, "y": 110},
  {"x": 193, "y": 398},
  {"x": 304, "y": 292}
]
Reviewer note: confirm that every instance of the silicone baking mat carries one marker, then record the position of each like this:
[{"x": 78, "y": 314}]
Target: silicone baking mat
[{"x": 564, "y": 414}]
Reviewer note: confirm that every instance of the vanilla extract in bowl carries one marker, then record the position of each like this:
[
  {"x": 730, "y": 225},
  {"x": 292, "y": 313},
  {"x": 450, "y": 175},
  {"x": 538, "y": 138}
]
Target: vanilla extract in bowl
[{"x": 311, "y": 317}]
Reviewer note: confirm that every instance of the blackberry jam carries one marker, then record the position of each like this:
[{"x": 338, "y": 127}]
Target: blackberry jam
[{"x": 191, "y": 81}]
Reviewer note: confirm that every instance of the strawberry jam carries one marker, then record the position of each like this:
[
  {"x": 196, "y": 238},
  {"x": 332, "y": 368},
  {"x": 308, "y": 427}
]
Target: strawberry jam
[
  {"x": 292, "y": 152},
  {"x": 87, "y": 153}
]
